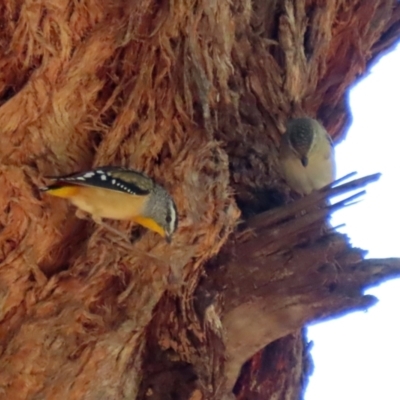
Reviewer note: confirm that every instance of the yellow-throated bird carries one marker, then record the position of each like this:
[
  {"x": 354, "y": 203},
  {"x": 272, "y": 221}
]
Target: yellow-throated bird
[{"x": 119, "y": 193}]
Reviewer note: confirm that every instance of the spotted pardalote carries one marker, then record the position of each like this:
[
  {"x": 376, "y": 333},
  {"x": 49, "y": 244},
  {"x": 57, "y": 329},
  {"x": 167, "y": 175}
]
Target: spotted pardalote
[
  {"x": 119, "y": 193},
  {"x": 307, "y": 155}
]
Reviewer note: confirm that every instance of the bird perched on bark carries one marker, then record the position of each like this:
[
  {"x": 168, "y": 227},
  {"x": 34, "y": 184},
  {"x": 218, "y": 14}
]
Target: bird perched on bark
[
  {"x": 307, "y": 155},
  {"x": 119, "y": 193}
]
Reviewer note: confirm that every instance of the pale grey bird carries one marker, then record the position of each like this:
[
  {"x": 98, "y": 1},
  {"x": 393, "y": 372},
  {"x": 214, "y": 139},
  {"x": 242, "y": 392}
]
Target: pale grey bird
[{"x": 307, "y": 155}]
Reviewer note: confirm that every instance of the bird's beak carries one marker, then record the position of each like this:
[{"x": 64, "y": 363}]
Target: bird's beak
[
  {"x": 304, "y": 161},
  {"x": 168, "y": 238}
]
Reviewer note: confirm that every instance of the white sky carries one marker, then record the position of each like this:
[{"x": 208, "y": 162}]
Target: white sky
[{"x": 357, "y": 357}]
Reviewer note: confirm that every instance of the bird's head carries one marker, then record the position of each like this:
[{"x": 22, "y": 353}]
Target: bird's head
[
  {"x": 160, "y": 214},
  {"x": 301, "y": 138}
]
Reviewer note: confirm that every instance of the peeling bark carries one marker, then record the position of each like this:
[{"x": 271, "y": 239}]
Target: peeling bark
[{"x": 196, "y": 94}]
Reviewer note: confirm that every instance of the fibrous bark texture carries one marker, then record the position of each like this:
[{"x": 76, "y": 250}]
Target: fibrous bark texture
[{"x": 195, "y": 94}]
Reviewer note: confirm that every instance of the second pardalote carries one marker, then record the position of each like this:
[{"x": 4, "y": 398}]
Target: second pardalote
[{"x": 307, "y": 155}]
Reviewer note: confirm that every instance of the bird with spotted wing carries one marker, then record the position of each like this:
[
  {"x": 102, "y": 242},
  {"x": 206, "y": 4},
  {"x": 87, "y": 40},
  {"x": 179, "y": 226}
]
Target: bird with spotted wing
[{"x": 121, "y": 194}]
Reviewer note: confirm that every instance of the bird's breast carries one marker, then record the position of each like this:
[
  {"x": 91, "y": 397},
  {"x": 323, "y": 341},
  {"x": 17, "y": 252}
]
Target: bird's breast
[
  {"x": 319, "y": 172},
  {"x": 111, "y": 204}
]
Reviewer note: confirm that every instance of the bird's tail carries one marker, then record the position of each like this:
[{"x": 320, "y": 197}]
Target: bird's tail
[{"x": 60, "y": 190}]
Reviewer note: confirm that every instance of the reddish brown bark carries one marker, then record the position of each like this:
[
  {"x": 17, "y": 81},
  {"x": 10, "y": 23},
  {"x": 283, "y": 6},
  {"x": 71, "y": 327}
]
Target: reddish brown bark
[{"x": 195, "y": 94}]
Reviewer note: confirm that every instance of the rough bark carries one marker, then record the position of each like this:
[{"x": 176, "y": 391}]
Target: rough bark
[{"x": 196, "y": 94}]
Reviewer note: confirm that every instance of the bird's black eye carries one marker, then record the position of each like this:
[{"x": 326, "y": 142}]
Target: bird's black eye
[{"x": 168, "y": 219}]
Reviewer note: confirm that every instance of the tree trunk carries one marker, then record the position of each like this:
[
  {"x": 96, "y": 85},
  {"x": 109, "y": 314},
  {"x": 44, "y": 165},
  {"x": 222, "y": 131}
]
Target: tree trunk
[{"x": 196, "y": 94}]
